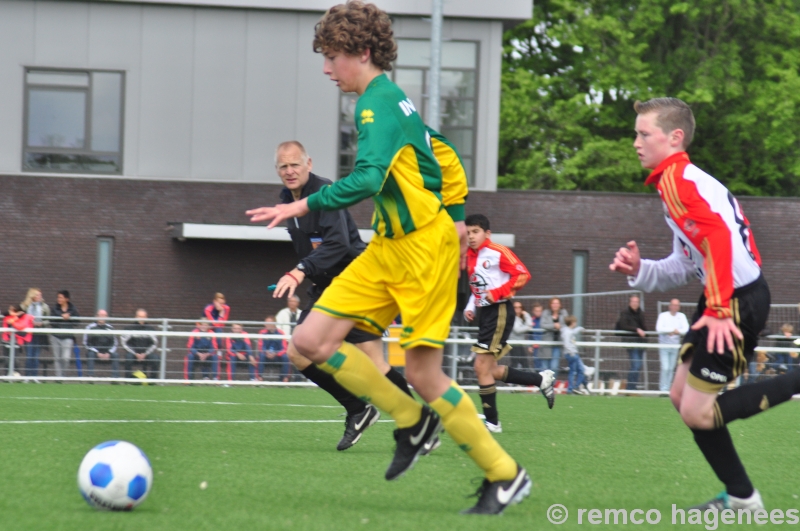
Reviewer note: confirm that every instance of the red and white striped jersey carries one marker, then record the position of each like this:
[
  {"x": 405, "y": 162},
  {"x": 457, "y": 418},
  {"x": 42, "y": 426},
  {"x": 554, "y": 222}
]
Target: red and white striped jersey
[
  {"x": 712, "y": 237},
  {"x": 495, "y": 269}
]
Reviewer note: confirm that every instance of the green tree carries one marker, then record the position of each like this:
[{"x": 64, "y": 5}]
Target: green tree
[{"x": 572, "y": 73}]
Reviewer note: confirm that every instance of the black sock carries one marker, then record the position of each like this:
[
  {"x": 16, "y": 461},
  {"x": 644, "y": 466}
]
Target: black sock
[
  {"x": 717, "y": 447},
  {"x": 520, "y": 377},
  {"x": 327, "y": 382},
  {"x": 396, "y": 378},
  {"x": 751, "y": 399},
  {"x": 489, "y": 401}
]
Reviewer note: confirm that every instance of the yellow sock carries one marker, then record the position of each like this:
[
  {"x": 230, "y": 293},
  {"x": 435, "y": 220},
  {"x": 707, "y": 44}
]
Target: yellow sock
[
  {"x": 461, "y": 422},
  {"x": 355, "y": 372}
]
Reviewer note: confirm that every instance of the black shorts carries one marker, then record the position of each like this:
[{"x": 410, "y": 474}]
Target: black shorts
[
  {"x": 710, "y": 372},
  {"x": 495, "y": 323},
  {"x": 355, "y": 336}
]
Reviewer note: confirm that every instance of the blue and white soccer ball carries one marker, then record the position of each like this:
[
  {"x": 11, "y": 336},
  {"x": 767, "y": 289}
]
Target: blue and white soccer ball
[{"x": 115, "y": 475}]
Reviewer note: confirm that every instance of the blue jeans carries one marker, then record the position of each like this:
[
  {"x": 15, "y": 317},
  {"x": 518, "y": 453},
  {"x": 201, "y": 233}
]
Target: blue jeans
[
  {"x": 576, "y": 374},
  {"x": 636, "y": 356},
  {"x": 555, "y": 359},
  {"x": 669, "y": 359},
  {"x": 32, "y": 358},
  {"x": 282, "y": 360}
]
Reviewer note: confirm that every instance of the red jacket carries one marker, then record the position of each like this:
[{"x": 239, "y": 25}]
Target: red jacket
[{"x": 21, "y": 323}]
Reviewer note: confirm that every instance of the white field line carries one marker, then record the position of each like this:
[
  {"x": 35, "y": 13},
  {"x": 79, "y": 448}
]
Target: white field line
[
  {"x": 144, "y": 421},
  {"x": 151, "y": 401}
]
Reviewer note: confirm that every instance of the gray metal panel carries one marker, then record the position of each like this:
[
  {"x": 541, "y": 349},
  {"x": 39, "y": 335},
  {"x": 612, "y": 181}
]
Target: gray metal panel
[
  {"x": 505, "y": 9},
  {"x": 115, "y": 43},
  {"x": 317, "y": 114},
  {"x": 62, "y": 34},
  {"x": 165, "y": 129},
  {"x": 16, "y": 50},
  {"x": 270, "y": 92},
  {"x": 218, "y": 103},
  {"x": 489, "y": 113}
]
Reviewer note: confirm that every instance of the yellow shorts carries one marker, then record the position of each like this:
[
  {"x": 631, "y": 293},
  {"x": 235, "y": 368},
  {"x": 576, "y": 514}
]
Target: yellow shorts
[{"x": 414, "y": 276}]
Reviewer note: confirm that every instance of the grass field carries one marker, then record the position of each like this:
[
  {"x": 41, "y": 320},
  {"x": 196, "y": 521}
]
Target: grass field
[{"x": 588, "y": 452}]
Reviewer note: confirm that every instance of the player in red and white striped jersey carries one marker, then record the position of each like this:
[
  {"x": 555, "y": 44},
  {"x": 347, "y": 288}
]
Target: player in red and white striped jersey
[
  {"x": 495, "y": 275},
  {"x": 712, "y": 240}
]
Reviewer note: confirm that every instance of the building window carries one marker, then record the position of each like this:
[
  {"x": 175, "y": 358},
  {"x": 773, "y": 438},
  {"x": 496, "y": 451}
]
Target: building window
[
  {"x": 580, "y": 270},
  {"x": 73, "y": 121},
  {"x": 459, "y": 97},
  {"x": 105, "y": 268}
]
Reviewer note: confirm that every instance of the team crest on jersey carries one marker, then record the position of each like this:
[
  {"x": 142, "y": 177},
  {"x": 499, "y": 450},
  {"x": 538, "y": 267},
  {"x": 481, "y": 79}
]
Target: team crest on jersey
[
  {"x": 690, "y": 227},
  {"x": 486, "y": 264},
  {"x": 367, "y": 116}
]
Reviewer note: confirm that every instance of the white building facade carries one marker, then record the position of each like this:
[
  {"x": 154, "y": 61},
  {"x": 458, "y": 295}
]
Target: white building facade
[{"x": 204, "y": 91}]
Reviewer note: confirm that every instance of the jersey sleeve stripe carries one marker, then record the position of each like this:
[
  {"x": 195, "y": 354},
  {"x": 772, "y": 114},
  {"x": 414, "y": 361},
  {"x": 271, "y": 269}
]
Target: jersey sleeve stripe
[{"x": 682, "y": 210}]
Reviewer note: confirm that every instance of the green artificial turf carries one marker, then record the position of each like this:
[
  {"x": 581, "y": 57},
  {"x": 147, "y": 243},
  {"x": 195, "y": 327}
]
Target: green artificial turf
[{"x": 588, "y": 452}]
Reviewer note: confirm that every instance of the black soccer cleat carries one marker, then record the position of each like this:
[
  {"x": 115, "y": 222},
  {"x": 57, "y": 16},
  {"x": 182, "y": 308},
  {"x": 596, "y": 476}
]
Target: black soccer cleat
[
  {"x": 495, "y": 496},
  {"x": 431, "y": 445},
  {"x": 356, "y": 425},
  {"x": 411, "y": 442}
]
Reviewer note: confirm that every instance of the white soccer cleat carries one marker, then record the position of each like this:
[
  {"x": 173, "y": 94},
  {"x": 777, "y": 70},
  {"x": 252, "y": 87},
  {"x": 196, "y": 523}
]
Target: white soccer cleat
[
  {"x": 548, "y": 379},
  {"x": 494, "y": 428}
]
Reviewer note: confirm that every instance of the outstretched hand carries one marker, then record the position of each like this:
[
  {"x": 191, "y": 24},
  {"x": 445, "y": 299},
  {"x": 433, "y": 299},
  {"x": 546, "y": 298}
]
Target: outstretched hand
[
  {"x": 278, "y": 213},
  {"x": 720, "y": 333},
  {"x": 627, "y": 260}
]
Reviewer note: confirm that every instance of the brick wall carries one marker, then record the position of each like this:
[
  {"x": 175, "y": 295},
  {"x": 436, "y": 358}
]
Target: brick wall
[{"x": 49, "y": 227}]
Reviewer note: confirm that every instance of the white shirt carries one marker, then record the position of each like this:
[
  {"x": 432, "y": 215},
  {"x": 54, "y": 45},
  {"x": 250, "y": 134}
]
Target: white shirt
[
  {"x": 668, "y": 323},
  {"x": 284, "y": 320}
]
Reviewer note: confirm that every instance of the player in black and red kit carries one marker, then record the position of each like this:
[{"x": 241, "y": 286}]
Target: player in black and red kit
[{"x": 712, "y": 240}]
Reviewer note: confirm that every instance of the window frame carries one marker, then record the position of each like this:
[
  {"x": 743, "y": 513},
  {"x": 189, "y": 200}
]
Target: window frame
[
  {"x": 468, "y": 160},
  {"x": 109, "y": 274},
  {"x": 88, "y": 90}
]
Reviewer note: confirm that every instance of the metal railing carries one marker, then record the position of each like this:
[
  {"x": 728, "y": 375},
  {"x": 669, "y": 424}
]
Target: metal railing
[{"x": 606, "y": 351}]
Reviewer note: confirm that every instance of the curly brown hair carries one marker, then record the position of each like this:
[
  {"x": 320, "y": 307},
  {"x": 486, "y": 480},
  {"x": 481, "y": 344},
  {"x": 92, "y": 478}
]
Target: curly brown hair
[{"x": 354, "y": 27}]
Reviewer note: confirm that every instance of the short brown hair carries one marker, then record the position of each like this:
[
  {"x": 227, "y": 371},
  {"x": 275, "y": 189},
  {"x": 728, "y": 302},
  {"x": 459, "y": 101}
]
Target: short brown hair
[
  {"x": 672, "y": 114},
  {"x": 787, "y": 328},
  {"x": 354, "y": 27},
  {"x": 570, "y": 320},
  {"x": 219, "y": 296}
]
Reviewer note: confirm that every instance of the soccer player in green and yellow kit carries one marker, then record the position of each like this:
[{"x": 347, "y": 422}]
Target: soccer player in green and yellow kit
[{"x": 410, "y": 267}]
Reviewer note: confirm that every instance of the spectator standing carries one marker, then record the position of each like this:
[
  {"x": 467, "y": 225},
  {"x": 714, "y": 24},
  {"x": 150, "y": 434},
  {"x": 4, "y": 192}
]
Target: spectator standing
[
  {"x": 536, "y": 335},
  {"x": 576, "y": 380},
  {"x": 273, "y": 350},
  {"x": 552, "y": 322},
  {"x": 101, "y": 347},
  {"x": 631, "y": 319},
  {"x": 671, "y": 326},
  {"x": 520, "y": 332},
  {"x": 61, "y": 343},
  {"x": 35, "y": 306},
  {"x": 140, "y": 345},
  {"x": 18, "y": 320},
  {"x": 287, "y": 318},
  {"x": 201, "y": 350}
]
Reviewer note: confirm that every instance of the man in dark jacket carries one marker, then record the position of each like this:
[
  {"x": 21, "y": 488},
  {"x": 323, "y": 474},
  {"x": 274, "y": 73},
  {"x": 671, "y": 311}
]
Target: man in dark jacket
[
  {"x": 326, "y": 243},
  {"x": 101, "y": 347},
  {"x": 140, "y": 346},
  {"x": 631, "y": 319}
]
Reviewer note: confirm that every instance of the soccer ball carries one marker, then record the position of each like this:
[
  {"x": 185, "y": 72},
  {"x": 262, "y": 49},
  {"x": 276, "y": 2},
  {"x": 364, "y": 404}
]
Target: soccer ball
[{"x": 115, "y": 475}]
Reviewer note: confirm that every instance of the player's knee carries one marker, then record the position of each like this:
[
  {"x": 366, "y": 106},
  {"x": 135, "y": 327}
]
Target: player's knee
[
  {"x": 483, "y": 365},
  {"x": 308, "y": 345},
  {"x": 696, "y": 419}
]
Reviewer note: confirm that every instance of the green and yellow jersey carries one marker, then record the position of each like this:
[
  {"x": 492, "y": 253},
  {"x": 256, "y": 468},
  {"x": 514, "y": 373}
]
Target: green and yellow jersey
[
  {"x": 454, "y": 178},
  {"x": 395, "y": 165}
]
